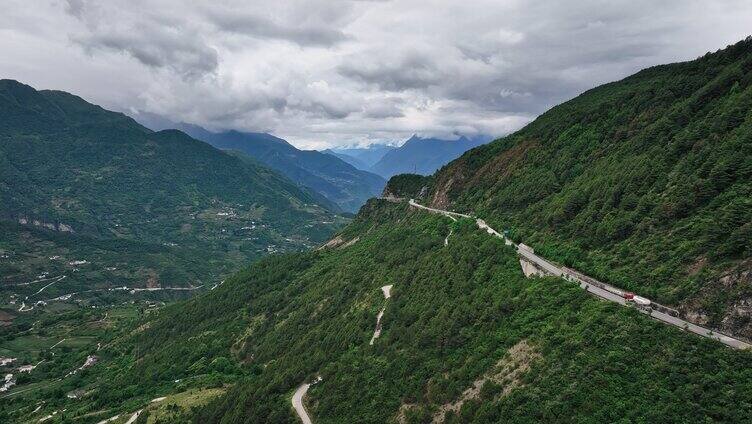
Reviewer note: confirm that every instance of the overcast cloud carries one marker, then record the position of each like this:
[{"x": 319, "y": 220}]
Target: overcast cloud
[{"x": 326, "y": 73}]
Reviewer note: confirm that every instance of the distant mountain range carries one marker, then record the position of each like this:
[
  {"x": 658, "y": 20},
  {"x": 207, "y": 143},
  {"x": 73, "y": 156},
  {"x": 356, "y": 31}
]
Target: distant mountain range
[
  {"x": 346, "y": 178},
  {"x": 362, "y": 158},
  {"x": 416, "y": 156},
  {"x": 352, "y": 160},
  {"x": 424, "y": 155},
  {"x": 334, "y": 180}
]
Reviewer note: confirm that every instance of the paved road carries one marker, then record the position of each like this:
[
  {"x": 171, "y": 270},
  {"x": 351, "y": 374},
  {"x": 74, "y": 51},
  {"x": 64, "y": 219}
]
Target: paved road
[
  {"x": 609, "y": 293},
  {"x": 445, "y": 213},
  {"x": 297, "y": 403}
]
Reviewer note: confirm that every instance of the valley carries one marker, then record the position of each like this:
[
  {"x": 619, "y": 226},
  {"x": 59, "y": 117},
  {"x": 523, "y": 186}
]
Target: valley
[
  {"x": 332, "y": 322},
  {"x": 427, "y": 340},
  {"x": 104, "y": 222}
]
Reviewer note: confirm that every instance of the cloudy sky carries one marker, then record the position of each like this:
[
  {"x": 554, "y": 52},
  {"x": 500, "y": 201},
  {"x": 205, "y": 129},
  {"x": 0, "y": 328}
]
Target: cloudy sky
[{"x": 334, "y": 73}]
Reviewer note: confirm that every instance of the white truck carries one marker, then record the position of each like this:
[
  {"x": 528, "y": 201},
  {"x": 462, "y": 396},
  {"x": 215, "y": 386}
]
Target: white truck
[{"x": 638, "y": 300}]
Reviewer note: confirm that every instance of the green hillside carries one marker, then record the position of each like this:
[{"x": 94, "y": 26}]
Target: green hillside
[
  {"x": 542, "y": 349},
  {"x": 644, "y": 182},
  {"x": 80, "y": 183},
  {"x": 339, "y": 182}
]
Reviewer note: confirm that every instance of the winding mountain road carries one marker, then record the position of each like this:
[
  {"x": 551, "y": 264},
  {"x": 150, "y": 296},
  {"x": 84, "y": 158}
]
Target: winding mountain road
[
  {"x": 604, "y": 291},
  {"x": 297, "y": 403},
  {"x": 439, "y": 211},
  {"x": 601, "y": 290}
]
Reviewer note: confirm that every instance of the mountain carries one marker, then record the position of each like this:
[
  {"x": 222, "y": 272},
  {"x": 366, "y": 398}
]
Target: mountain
[
  {"x": 352, "y": 160},
  {"x": 365, "y": 156},
  {"x": 408, "y": 316},
  {"x": 644, "y": 182},
  {"x": 423, "y": 155},
  {"x": 317, "y": 197},
  {"x": 339, "y": 182},
  {"x": 92, "y": 195}
]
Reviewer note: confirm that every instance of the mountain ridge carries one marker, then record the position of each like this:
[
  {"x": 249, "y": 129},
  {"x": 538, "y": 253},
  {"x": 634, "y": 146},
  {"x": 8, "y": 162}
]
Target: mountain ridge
[
  {"x": 424, "y": 156},
  {"x": 368, "y": 156},
  {"x": 71, "y": 166},
  {"x": 330, "y": 176},
  {"x": 352, "y": 160},
  {"x": 651, "y": 170}
]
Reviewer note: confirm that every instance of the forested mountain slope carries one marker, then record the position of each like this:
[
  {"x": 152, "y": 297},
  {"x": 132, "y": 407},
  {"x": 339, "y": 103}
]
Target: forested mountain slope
[
  {"x": 644, "y": 182},
  {"x": 80, "y": 183},
  {"x": 460, "y": 315},
  {"x": 332, "y": 177}
]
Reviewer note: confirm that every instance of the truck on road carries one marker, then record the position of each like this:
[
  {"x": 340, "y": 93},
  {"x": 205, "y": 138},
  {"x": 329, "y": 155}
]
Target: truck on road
[{"x": 638, "y": 300}]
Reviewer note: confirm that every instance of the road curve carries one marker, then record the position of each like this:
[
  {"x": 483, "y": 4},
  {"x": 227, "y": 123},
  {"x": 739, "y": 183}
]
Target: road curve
[
  {"x": 445, "y": 213},
  {"x": 552, "y": 269},
  {"x": 297, "y": 403}
]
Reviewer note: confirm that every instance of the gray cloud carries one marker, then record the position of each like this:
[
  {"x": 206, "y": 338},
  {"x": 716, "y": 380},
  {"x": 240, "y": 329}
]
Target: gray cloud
[
  {"x": 257, "y": 26},
  {"x": 412, "y": 71},
  {"x": 155, "y": 40},
  {"x": 158, "y": 50},
  {"x": 335, "y": 72},
  {"x": 382, "y": 110},
  {"x": 75, "y": 7}
]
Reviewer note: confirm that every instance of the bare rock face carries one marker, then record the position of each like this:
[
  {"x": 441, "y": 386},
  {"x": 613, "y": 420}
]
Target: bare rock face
[
  {"x": 696, "y": 317},
  {"x": 736, "y": 286},
  {"x": 440, "y": 197},
  {"x": 64, "y": 228},
  {"x": 336, "y": 241},
  {"x": 738, "y": 318},
  {"x": 153, "y": 280},
  {"x": 530, "y": 270}
]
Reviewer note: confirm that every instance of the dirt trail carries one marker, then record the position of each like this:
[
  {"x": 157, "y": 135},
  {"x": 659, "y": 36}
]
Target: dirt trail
[
  {"x": 42, "y": 289},
  {"x": 387, "y": 290},
  {"x": 134, "y": 417},
  {"x": 53, "y": 346}
]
